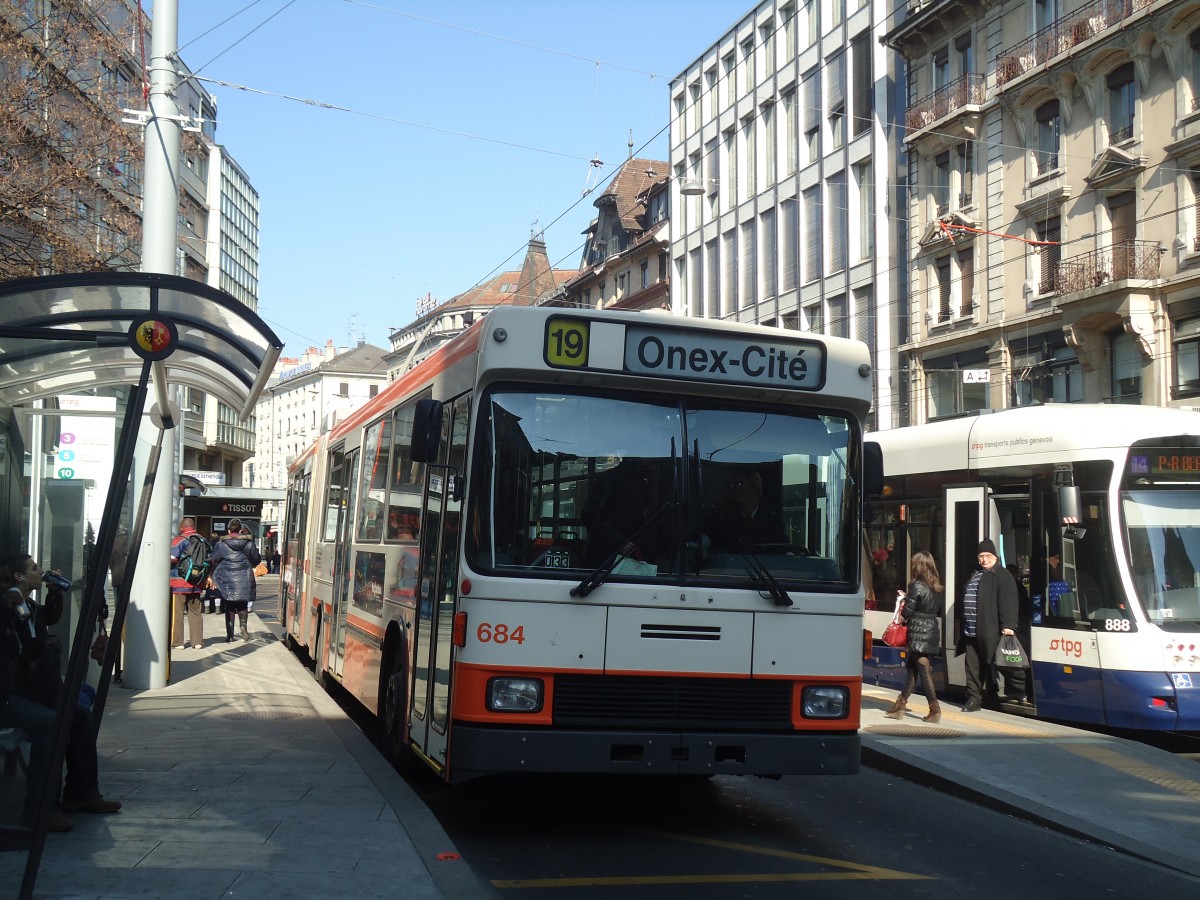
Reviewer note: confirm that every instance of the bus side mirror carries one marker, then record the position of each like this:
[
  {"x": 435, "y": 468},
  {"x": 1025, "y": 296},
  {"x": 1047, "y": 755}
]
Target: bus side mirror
[
  {"x": 427, "y": 430},
  {"x": 872, "y": 469}
]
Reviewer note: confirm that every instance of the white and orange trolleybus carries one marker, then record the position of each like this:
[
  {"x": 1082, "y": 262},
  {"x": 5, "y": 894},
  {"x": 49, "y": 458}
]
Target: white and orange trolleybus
[{"x": 576, "y": 541}]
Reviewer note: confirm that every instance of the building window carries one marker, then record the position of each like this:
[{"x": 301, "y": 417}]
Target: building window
[
  {"x": 751, "y": 145},
  {"x": 1049, "y": 133},
  {"x": 812, "y": 113},
  {"x": 713, "y": 271},
  {"x": 767, "y": 39},
  {"x": 662, "y": 267},
  {"x": 729, "y": 73},
  {"x": 787, "y": 30},
  {"x": 812, "y": 21},
  {"x": 838, "y": 206},
  {"x": 866, "y": 210},
  {"x": 941, "y": 68},
  {"x": 816, "y": 319},
  {"x": 645, "y": 273},
  {"x": 837, "y": 99},
  {"x": 1058, "y": 378},
  {"x": 812, "y": 234},
  {"x": 1047, "y": 255},
  {"x": 374, "y": 389},
  {"x": 729, "y": 268},
  {"x": 770, "y": 262},
  {"x": 1045, "y": 14},
  {"x": 746, "y": 71},
  {"x": 1187, "y": 357},
  {"x": 945, "y": 289},
  {"x": 749, "y": 266},
  {"x": 1195, "y": 176},
  {"x": 695, "y": 283},
  {"x": 1194, "y": 69},
  {"x": 1121, "y": 97},
  {"x": 768, "y": 126},
  {"x": 839, "y": 317},
  {"x": 731, "y": 170},
  {"x": 791, "y": 243},
  {"x": 941, "y": 183},
  {"x": 964, "y": 161},
  {"x": 1121, "y": 212},
  {"x": 1126, "y": 369},
  {"x": 966, "y": 281},
  {"x": 789, "y": 127},
  {"x": 864, "y": 84},
  {"x": 966, "y": 54}
]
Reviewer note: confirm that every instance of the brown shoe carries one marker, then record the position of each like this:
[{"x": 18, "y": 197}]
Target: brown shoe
[
  {"x": 59, "y": 823},
  {"x": 93, "y": 804}
]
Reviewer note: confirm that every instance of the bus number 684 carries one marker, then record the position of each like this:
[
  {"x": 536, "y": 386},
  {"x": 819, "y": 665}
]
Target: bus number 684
[{"x": 487, "y": 633}]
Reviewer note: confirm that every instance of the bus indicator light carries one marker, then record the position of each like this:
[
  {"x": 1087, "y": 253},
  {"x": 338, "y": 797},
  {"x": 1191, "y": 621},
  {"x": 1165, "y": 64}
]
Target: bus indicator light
[{"x": 459, "y": 634}]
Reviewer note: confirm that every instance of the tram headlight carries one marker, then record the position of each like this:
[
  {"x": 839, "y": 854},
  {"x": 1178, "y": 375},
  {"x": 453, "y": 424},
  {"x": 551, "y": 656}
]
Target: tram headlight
[
  {"x": 515, "y": 695},
  {"x": 825, "y": 702}
]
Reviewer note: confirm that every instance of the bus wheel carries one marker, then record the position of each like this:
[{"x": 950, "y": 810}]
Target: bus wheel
[{"x": 394, "y": 710}]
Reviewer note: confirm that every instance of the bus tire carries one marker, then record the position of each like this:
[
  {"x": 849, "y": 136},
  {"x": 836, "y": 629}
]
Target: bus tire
[{"x": 391, "y": 719}]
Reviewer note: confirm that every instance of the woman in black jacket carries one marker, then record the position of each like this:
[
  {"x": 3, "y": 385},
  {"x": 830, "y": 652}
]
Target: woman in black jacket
[
  {"x": 233, "y": 562},
  {"x": 921, "y": 612}
]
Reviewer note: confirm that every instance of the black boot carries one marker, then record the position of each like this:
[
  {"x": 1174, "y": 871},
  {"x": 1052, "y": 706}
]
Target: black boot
[
  {"x": 228, "y": 627},
  {"x": 245, "y": 632},
  {"x": 935, "y": 708}
]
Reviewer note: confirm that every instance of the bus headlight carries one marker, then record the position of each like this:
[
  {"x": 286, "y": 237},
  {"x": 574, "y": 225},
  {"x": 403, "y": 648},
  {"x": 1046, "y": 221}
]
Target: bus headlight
[
  {"x": 825, "y": 702},
  {"x": 514, "y": 695}
]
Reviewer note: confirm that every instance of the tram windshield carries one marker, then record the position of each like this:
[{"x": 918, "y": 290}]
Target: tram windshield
[
  {"x": 618, "y": 488},
  {"x": 1163, "y": 534}
]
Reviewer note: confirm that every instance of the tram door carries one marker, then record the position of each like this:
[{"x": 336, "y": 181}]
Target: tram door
[
  {"x": 966, "y": 508},
  {"x": 437, "y": 589}
]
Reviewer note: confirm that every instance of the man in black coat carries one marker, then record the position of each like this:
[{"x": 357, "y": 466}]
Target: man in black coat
[{"x": 990, "y": 609}]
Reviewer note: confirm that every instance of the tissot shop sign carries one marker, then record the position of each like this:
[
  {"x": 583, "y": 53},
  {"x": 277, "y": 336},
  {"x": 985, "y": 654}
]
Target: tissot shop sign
[{"x": 215, "y": 506}]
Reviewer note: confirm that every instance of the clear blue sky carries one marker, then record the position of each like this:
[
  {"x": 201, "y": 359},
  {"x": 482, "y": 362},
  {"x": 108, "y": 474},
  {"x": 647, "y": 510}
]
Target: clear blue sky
[{"x": 459, "y": 125}]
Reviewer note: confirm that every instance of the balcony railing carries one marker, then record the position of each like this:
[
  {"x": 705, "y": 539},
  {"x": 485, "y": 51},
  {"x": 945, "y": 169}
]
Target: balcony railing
[
  {"x": 1067, "y": 32},
  {"x": 1128, "y": 259},
  {"x": 969, "y": 90}
]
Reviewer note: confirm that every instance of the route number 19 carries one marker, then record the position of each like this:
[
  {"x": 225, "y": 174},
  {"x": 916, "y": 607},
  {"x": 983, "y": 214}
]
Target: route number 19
[{"x": 566, "y": 343}]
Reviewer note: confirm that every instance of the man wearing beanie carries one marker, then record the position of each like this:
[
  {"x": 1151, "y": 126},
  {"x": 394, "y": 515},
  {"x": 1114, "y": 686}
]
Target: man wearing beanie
[{"x": 989, "y": 611}]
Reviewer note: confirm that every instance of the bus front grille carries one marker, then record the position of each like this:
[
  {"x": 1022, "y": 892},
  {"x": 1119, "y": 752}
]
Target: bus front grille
[{"x": 725, "y": 704}]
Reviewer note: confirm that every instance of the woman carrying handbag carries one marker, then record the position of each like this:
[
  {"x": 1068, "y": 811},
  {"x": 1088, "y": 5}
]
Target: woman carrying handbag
[{"x": 921, "y": 609}]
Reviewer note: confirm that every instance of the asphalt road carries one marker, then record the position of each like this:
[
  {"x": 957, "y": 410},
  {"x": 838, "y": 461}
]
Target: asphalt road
[{"x": 564, "y": 837}]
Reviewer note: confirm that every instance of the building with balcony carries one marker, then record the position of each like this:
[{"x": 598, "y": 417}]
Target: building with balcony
[
  {"x": 307, "y": 395},
  {"x": 436, "y": 323},
  {"x": 1054, "y": 153},
  {"x": 783, "y": 179},
  {"x": 626, "y": 255}
]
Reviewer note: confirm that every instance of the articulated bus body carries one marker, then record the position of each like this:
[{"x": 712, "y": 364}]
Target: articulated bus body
[
  {"x": 595, "y": 542},
  {"x": 1096, "y": 510}
]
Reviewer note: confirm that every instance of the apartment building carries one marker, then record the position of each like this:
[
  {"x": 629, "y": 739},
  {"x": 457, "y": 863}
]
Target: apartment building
[
  {"x": 783, "y": 179},
  {"x": 1053, "y": 148},
  {"x": 626, "y": 256}
]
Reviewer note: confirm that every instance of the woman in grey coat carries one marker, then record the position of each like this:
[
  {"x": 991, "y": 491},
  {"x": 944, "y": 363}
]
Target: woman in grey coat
[
  {"x": 233, "y": 561},
  {"x": 921, "y": 612}
]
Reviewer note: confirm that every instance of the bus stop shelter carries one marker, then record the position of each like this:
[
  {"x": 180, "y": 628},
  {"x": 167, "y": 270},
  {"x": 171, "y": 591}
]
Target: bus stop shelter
[{"x": 139, "y": 335}]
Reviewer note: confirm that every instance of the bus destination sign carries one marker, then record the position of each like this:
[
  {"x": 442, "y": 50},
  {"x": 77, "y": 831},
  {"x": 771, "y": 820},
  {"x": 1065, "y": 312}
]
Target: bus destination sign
[
  {"x": 1164, "y": 462},
  {"x": 684, "y": 353}
]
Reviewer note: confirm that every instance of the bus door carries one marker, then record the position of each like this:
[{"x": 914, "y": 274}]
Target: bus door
[
  {"x": 438, "y": 586},
  {"x": 343, "y": 561},
  {"x": 965, "y": 511}
]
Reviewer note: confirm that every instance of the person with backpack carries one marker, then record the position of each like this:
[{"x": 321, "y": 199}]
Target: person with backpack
[
  {"x": 190, "y": 565},
  {"x": 233, "y": 561}
]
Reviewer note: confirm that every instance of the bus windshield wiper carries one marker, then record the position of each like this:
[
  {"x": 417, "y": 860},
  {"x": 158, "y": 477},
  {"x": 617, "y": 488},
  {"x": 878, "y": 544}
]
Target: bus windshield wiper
[
  {"x": 754, "y": 566},
  {"x": 600, "y": 574}
]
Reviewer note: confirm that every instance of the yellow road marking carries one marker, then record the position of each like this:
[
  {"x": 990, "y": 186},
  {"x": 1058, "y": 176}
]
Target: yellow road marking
[{"x": 850, "y": 871}]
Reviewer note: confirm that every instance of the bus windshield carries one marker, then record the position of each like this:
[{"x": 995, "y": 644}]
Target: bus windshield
[
  {"x": 654, "y": 489},
  {"x": 1164, "y": 555}
]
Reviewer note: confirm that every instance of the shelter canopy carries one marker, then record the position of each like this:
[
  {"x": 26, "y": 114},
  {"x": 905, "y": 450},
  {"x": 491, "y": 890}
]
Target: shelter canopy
[{"x": 64, "y": 333}]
